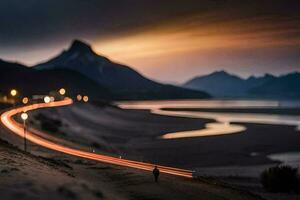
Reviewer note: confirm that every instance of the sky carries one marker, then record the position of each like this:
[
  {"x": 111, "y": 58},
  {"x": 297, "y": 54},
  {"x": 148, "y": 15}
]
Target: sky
[{"x": 169, "y": 41}]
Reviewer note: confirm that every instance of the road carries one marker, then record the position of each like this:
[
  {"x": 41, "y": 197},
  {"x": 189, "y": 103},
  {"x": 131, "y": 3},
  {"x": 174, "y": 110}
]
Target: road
[{"x": 17, "y": 128}]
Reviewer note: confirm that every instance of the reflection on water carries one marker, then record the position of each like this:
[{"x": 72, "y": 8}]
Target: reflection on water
[
  {"x": 202, "y": 104},
  {"x": 209, "y": 130},
  {"x": 224, "y": 120}
]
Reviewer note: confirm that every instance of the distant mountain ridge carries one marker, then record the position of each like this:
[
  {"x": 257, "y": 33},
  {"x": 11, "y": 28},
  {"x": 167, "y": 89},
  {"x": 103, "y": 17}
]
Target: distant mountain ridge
[
  {"x": 80, "y": 69},
  {"x": 223, "y": 84},
  {"x": 81, "y": 58},
  {"x": 29, "y": 81}
]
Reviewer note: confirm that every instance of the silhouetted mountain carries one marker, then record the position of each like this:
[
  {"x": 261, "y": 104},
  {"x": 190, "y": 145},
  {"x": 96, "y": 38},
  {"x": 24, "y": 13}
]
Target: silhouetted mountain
[
  {"x": 223, "y": 84},
  {"x": 122, "y": 81},
  {"x": 30, "y": 81},
  {"x": 253, "y": 81},
  {"x": 218, "y": 84},
  {"x": 11, "y": 67},
  {"x": 286, "y": 86}
]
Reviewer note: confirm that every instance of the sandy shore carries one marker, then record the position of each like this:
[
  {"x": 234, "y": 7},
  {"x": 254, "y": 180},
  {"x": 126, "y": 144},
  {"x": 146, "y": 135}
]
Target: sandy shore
[
  {"x": 231, "y": 161},
  {"x": 25, "y": 176},
  {"x": 134, "y": 134}
]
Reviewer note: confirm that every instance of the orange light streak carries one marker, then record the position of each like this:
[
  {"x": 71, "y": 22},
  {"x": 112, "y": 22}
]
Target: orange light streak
[{"x": 17, "y": 128}]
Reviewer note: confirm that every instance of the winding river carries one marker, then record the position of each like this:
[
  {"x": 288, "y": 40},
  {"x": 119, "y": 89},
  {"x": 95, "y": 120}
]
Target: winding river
[{"x": 224, "y": 121}]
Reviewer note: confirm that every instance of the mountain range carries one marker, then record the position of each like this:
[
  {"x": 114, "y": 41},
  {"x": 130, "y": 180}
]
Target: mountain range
[
  {"x": 80, "y": 70},
  {"x": 222, "y": 84}
]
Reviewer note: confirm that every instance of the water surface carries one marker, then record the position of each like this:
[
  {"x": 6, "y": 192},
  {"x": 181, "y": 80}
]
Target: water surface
[{"x": 224, "y": 121}]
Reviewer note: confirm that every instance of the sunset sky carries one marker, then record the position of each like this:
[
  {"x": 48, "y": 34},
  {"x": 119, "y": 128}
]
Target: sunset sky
[{"x": 169, "y": 41}]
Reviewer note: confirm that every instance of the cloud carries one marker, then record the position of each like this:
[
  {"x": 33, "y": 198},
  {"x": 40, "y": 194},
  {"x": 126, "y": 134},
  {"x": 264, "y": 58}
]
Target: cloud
[{"x": 195, "y": 34}]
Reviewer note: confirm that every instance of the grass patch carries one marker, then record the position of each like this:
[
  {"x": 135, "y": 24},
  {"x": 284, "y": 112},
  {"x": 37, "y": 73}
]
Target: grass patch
[{"x": 281, "y": 179}]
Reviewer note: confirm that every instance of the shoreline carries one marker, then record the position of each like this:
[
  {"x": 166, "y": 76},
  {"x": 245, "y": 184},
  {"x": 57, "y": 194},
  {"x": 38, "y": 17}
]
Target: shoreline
[
  {"x": 133, "y": 139},
  {"x": 275, "y": 111},
  {"x": 182, "y": 151}
]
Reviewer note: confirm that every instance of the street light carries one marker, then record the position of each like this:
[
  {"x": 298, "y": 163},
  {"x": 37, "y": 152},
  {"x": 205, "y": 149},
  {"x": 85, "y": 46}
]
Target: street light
[
  {"x": 13, "y": 92},
  {"x": 47, "y": 99},
  {"x": 85, "y": 98},
  {"x": 24, "y": 116},
  {"x": 62, "y": 91},
  {"x": 79, "y": 97},
  {"x": 25, "y": 100}
]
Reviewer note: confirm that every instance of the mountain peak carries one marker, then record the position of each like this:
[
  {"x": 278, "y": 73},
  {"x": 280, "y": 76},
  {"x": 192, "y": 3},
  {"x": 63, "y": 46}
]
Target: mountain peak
[
  {"x": 267, "y": 75},
  {"x": 221, "y": 72},
  {"x": 78, "y": 45}
]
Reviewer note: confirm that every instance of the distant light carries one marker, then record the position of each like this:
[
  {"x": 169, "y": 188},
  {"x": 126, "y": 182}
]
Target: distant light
[
  {"x": 25, "y": 100},
  {"x": 52, "y": 99},
  {"x": 13, "y": 92},
  {"x": 62, "y": 91},
  {"x": 24, "y": 116},
  {"x": 47, "y": 99},
  {"x": 85, "y": 98},
  {"x": 79, "y": 97}
]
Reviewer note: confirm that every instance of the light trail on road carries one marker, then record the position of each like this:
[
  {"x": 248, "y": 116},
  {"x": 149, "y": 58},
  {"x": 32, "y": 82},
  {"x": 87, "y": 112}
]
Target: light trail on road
[{"x": 17, "y": 128}]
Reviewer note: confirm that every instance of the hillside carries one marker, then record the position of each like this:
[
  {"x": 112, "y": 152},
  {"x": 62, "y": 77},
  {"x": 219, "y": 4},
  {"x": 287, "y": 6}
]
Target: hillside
[
  {"x": 29, "y": 81},
  {"x": 287, "y": 86},
  {"x": 122, "y": 81},
  {"x": 223, "y": 84}
]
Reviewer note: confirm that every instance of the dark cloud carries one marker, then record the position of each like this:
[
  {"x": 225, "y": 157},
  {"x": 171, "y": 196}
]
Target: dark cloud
[
  {"x": 24, "y": 22},
  {"x": 33, "y": 30}
]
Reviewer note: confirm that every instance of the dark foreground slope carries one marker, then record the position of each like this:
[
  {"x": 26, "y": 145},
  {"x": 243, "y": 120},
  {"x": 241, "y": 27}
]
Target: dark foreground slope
[{"x": 57, "y": 176}]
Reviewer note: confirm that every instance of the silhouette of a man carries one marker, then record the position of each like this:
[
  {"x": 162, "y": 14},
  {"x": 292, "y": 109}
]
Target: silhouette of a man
[{"x": 155, "y": 173}]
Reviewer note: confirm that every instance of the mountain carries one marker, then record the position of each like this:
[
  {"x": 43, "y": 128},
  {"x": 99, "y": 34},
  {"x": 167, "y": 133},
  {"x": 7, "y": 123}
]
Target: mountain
[
  {"x": 253, "y": 81},
  {"x": 29, "y": 81},
  {"x": 223, "y": 84},
  {"x": 220, "y": 84},
  {"x": 122, "y": 81},
  {"x": 286, "y": 86}
]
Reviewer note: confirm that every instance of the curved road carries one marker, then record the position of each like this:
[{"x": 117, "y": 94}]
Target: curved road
[{"x": 17, "y": 128}]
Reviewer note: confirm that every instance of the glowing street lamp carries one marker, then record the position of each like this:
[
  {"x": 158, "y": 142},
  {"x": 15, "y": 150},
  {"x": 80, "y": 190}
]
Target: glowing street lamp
[
  {"x": 62, "y": 91},
  {"x": 25, "y": 100},
  {"x": 24, "y": 117},
  {"x": 47, "y": 99},
  {"x": 85, "y": 98},
  {"x": 79, "y": 97},
  {"x": 13, "y": 92}
]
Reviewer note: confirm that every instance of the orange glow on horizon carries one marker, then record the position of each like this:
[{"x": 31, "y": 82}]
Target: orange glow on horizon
[{"x": 196, "y": 35}]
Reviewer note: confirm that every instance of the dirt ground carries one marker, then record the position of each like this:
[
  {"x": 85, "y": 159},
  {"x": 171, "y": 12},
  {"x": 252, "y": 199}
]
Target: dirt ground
[{"x": 24, "y": 176}]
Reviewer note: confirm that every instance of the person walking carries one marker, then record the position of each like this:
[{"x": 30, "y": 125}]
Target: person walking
[{"x": 155, "y": 173}]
